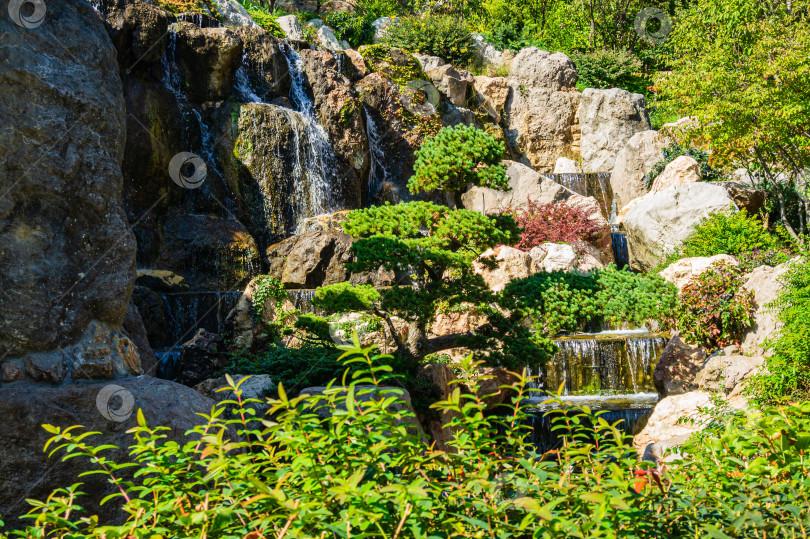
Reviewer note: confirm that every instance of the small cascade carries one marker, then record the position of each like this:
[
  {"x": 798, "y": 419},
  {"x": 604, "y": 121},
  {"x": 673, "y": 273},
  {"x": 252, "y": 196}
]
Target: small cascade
[
  {"x": 604, "y": 364},
  {"x": 302, "y": 300},
  {"x": 595, "y": 185},
  {"x": 168, "y": 362},
  {"x": 632, "y": 411},
  {"x": 621, "y": 252},
  {"x": 241, "y": 84},
  {"x": 378, "y": 172},
  {"x": 187, "y": 312},
  {"x": 315, "y": 162}
]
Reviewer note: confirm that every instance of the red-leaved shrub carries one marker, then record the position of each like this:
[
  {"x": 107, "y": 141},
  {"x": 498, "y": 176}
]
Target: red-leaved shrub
[{"x": 555, "y": 223}]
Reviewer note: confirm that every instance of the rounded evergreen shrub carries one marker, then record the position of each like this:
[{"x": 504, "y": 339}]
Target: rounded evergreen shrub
[
  {"x": 458, "y": 156},
  {"x": 435, "y": 35}
]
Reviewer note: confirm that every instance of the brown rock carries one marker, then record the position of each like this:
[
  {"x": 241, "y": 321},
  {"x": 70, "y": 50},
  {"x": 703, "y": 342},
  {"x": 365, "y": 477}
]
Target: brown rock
[
  {"x": 358, "y": 65},
  {"x": 494, "y": 386},
  {"x": 310, "y": 260},
  {"x": 745, "y": 196},
  {"x": 199, "y": 358},
  {"x": 47, "y": 367},
  {"x": 678, "y": 367},
  {"x": 491, "y": 94},
  {"x": 501, "y": 265},
  {"x": 135, "y": 331},
  {"x": 209, "y": 58},
  {"x": 440, "y": 377},
  {"x": 264, "y": 64},
  {"x": 453, "y": 83},
  {"x": 11, "y": 372}
]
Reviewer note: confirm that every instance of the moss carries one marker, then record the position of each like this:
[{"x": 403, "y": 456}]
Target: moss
[
  {"x": 396, "y": 64},
  {"x": 349, "y": 109}
]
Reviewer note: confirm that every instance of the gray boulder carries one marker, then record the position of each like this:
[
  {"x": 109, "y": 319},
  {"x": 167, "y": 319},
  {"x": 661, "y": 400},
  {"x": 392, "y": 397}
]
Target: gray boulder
[
  {"x": 633, "y": 162},
  {"x": 289, "y": 24},
  {"x": 453, "y": 83},
  {"x": 209, "y": 58},
  {"x": 660, "y": 223},
  {"x": 380, "y": 26},
  {"x": 677, "y": 369},
  {"x": 233, "y": 14},
  {"x": 608, "y": 119},
  {"x": 524, "y": 183},
  {"x": 67, "y": 255},
  {"x": 722, "y": 372}
]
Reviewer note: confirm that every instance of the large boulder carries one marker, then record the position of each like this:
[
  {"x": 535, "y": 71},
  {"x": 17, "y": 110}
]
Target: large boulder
[
  {"x": 537, "y": 68},
  {"x": 455, "y": 84},
  {"x": 567, "y": 166},
  {"x": 232, "y": 13},
  {"x": 684, "y": 270},
  {"x": 744, "y": 196},
  {"x": 491, "y": 94},
  {"x": 608, "y": 119},
  {"x": 524, "y": 183},
  {"x": 664, "y": 429},
  {"x": 683, "y": 169},
  {"x": 27, "y": 472},
  {"x": 723, "y": 372},
  {"x": 246, "y": 322},
  {"x": 263, "y": 64},
  {"x": 67, "y": 255},
  {"x": 502, "y": 264},
  {"x": 209, "y": 58},
  {"x": 289, "y": 25},
  {"x": 633, "y": 163},
  {"x": 765, "y": 283},
  {"x": 551, "y": 257},
  {"x": 661, "y": 222},
  {"x": 200, "y": 358},
  {"x": 310, "y": 260},
  {"x": 676, "y": 371}
]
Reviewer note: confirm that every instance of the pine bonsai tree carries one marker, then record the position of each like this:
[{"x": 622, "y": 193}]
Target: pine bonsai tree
[
  {"x": 434, "y": 246},
  {"x": 456, "y": 157}
]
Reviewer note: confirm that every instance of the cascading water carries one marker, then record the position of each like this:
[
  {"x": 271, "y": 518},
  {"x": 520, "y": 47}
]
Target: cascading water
[
  {"x": 621, "y": 251},
  {"x": 605, "y": 371},
  {"x": 378, "y": 172},
  {"x": 595, "y": 185},
  {"x": 302, "y": 300}
]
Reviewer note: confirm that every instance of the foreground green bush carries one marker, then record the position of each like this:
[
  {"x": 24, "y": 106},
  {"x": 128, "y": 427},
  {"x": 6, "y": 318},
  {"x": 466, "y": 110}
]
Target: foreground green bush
[
  {"x": 364, "y": 471},
  {"x": 435, "y": 35}
]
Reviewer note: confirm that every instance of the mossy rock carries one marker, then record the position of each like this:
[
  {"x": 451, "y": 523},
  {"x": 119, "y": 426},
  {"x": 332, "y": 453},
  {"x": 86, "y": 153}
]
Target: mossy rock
[{"x": 397, "y": 64}]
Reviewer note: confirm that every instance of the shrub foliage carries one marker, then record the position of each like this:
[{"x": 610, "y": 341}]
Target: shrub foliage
[
  {"x": 362, "y": 471},
  {"x": 555, "y": 223},
  {"x": 435, "y": 35}
]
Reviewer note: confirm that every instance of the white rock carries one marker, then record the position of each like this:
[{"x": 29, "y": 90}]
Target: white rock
[
  {"x": 608, "y": 119},
  {"x": 524, "y": 182},
  {"x": 663, "y": 425},
  {"x": 485, "y": 52},
  {"x": 429, "y": 62},
  {"x": 683, "y": 169},
  {"x": 233, "y": 14},
  {"x": 684, "y": 270},
  {"x": 723, "y": 373},
  {"x": 535, "y": 68},
  {"x": 658, "y": 224},
  {"x": 765, "y": 283},
  {"x": 633, "y": 163},
  {"x": 452, "y": 82},
  {"x": 327, "y": 39},
  {"x": 315, "y": 23},
  {"x": 289, "y": 24},
  {"x": 380, "y": 25},
  {"x": 567, "y": 166},
  {"x": 512, "y": 264},
  {"x": 553, "y": 257}
]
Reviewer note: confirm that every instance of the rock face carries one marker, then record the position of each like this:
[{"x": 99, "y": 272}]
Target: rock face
[
  {"x": 663, "y": 427},
  {"x": 608, "y": 120},
  {"x": 723, "y": 373},
  {"x": 209, "y": 58},
  {"x": 524, "y": 183},
  {"x": 684, "y": 270},
  {"x": 541, "y": 110},
  {"x": 567, "y": 166},
  {"x": 491, "y": 94},
  {"x": 678, "y": 367},
  {"x": 765, "y": 283},
  {"x": 553, "y": 257},
  {"x": 67, "y": 256},
  {"x": 264, "y": 65},
  {"x": 289, "y": 24},
  {"x": 511, "y": 264},
  {"x": 453, "y": 83},
  {"x": 233, "y": 14},
  {"x": 310, "y": 260},
  {"x": 633, "y": 163},
  {"x": 683, "y": 169},
  {"x": 27, "y": 472},
  {"x": 199, "y": 358},
  {"x": 659, "y": 223}
]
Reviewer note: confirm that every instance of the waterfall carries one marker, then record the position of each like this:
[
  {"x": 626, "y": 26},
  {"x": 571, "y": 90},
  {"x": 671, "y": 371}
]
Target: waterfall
[
  {"x": 378, "y": 172},
  {"x": 302, "y": 300},
  {"x": 186, "y": 312},
  {"x": 595, "y": 185},
  {"x": 318, "y": 164},
  {"x": 621, "y": 252}
]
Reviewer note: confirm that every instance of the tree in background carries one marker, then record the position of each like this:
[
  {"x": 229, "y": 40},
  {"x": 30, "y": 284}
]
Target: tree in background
[{"x": 741, "y": 68}]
